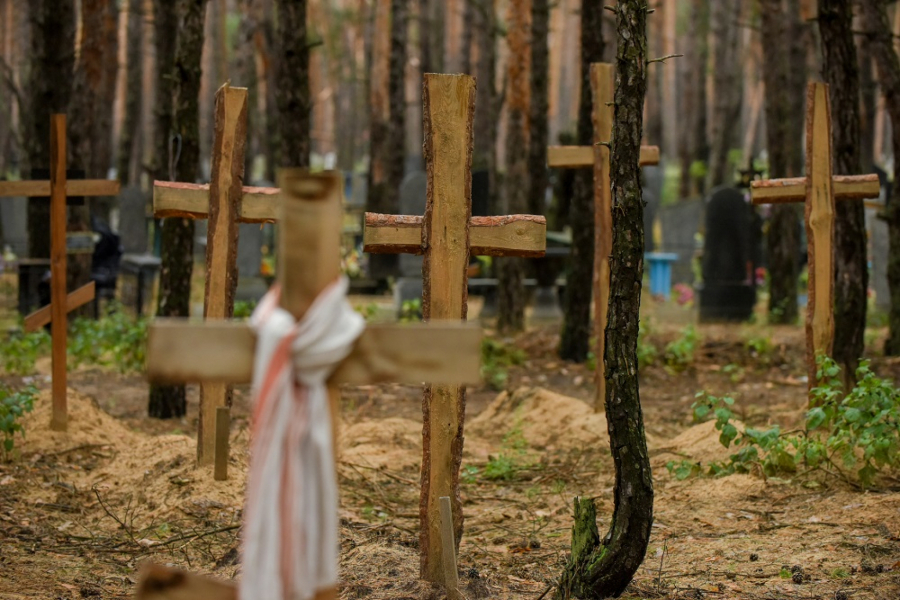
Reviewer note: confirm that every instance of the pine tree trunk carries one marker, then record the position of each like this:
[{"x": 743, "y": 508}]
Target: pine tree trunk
[
  {"x": 603, "y": 568},
  {"x": 511, "y": 269},
  {"x": 485, "y": 155},
  {"x": 538, "y": 123},
  {"x": 292, "y": 84},
  {"x": 851, "y": 275},
  {"x": 575, "y": 342},
  {"x": 178, "y": 234},
  {"x": 782, "y": 139},
  {"x": 130, "y": 140},
  {"x": 48, "y": 91},
  {"x": 878, "y": 27},
  {"x": 694, "y": 146},
  {"x": 727, "y": 90}
]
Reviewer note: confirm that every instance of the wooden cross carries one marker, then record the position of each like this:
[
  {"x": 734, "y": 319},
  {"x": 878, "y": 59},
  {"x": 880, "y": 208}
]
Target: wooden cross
[
  {"x": 447, "y": 235},
  {"x": 58, "y": 188},
  {"x": 597, "y": 156},
  {"x": 309, "y": 260},
  {"x": 225, "y": 203},
  {"x": 818, "y": 190}
]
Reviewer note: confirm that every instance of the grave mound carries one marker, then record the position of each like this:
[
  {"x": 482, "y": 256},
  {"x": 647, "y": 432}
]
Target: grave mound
[{"x": 394, "y": 442}]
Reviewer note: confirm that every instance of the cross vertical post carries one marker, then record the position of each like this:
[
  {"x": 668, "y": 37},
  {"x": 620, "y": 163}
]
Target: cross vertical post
[
  {"x": 58, "y": 188},
  {"x": 447, "y": 235},
  {"x": 818, "y": 191},
  {"x": 602, "y": 89}
]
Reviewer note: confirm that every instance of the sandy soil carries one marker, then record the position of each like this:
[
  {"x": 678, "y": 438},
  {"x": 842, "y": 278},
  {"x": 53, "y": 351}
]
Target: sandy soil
[{"x": 79, "y": 511}]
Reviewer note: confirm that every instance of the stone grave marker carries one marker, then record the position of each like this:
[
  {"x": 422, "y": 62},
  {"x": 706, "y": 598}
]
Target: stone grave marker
[
  {"x": 680, "y": 223},
  {"x": 728, "y": 292},
  {"x": 250, "y": 286},
  {"x": 14, "y": 215},
  {"x": 132, "y": 203},
  {"x": 412, "y": 202}
]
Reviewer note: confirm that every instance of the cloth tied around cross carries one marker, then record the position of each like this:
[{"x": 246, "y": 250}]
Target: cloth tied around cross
[{"x": 290, "y": 536}]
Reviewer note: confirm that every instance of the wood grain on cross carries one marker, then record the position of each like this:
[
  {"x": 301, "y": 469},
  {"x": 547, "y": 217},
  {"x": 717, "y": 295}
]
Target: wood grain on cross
[
  {"x": 818, "y": 190},
  {"x": 308, "y": 261},
  {"x": 225, "y": 203},
  {"x": 597, "y": 156},
  {"x": 58, "y": 188},
  {"x": 447, "y": 234}
]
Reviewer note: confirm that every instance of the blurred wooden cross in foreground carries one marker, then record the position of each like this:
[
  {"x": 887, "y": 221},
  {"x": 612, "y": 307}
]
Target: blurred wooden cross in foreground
[
  {"x": 58, "y": 188},
  {"x": 597, "y": 156},
  {"x": 447, "y": 235},
  {"x": 222, "y": 351},
  {"x": 225, "y": 203},
  {"x": 818, "y": 190}
]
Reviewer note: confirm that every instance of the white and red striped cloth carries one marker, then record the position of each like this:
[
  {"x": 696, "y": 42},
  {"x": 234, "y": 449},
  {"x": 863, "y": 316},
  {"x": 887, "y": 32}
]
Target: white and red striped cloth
[{"x": 290, "y": 538}]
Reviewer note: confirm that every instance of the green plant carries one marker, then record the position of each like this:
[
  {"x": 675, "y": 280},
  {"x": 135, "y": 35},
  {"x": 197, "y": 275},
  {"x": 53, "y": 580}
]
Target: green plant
[
  {"x": 244, "y": 308},
  {"x": 368, "y": 311},
  {"x": 116, "y": 339},
  {"x": 13, "y": 405},
  {"x": 857, "y": 431},
  {"x": 679, "y": 353},
  {"x": 496, "y": 358},
  {"x": 760, "y": 347},
  {"x": 646, "y": 350},
  {"x": 19, "y": 351},
  {"x": 411, "y": 311}
]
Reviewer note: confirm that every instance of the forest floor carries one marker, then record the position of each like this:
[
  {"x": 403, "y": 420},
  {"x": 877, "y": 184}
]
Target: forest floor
[{"x": 81, "y": 510}]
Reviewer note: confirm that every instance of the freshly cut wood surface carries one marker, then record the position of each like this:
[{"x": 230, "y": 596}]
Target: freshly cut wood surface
[
  {"x": 191, "y": 200},
  {"x": 819, "y": 228},
  {"x": 77, "y": 298},
  {"x": 571, "y": 157},
  {"x": 74, "y": 187},
  {"x": 182, "y": 352},
  {"x": 846, "y": 187},
  {"x": 519, "y": 235}
]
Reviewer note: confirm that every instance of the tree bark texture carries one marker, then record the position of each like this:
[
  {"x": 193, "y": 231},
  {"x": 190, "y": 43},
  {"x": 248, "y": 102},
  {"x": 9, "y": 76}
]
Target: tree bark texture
[
  {"x": 178, "y": 234},
  {"x": 511, "y": 269},
  {"x": 575, "y": 341},
  {"x": 694, "y": 145},
  {"x": 785, "y": 157},
  {"x": 292, "y": 87},
  {"x": 878, "y": 28},
  {"x": 48, "y": 91},
  {"x": 851, "y": 274},
  {"x": 432, "y": 14},
  {"x": 727, "y": 89},
  {"x": 164, "y": 37},
  {"x": 130, "y": 139},
  {"x": 539, "y": 124},
  {"x": 485, "y": 156},
  {"x": 602, "y": 569}
]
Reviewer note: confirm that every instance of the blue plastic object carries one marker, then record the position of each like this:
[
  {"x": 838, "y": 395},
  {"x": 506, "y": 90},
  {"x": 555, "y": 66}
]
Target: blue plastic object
[{"x": 660, "y": 272}]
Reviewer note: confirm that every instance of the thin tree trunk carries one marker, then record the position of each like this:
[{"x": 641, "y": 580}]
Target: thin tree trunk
[
  {"x": 851, "y": 275},
  {"x": 468, "y": 32},
  {"x": 782, "y": 140},
  {"x": 511, "y": 270},
  {"x": 292, "y": 87},
  {"x": 178, "y": 234},
  {"x": 129, "y": 142},
  {"x": 539, "y": 124},
  {"x": 878, "y": 28},
  {"x": 48, "y": 91},
  {"x": 727, "y": 92},
  {"x": 575, "y": 342},
  {"x": 603, "y": 569},
  {"x": 694, "y": 145},
  {"x": 485, "y": 155},
  {"x": 164, "y": 37}
]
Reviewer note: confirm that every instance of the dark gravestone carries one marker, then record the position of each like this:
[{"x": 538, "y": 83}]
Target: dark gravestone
[
  {"x": 652, "y": 176},
  {"x": 880, "y": 245},
  {"x": 14, "y": 217},
  {"x": 481, "y": 194},
  {"x": 412, "y": 202},
  {"x": 728, "y": 292},
  {"x": 680, "y": 223},
  {"x": 133, "y": 226}
]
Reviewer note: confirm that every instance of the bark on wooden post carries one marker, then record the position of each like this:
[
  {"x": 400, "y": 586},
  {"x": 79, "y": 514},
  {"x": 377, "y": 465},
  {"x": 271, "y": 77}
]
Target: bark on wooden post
[
  {"x": 57, "y": 188},
  {"x": 819, "y": 190},
  {"x": 446, "y": 236},
  {"x": 597, "y": 156}
]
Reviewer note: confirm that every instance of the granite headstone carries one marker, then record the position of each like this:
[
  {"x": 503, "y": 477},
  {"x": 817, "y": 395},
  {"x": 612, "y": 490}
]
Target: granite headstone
[
  {"x": 132, "y": 203},
  {"x": 14, "y": 215},
  {"x": 728, "y": 292},
  {"x": 412, "y": 202},
  {"x": 680, "y": 223}
]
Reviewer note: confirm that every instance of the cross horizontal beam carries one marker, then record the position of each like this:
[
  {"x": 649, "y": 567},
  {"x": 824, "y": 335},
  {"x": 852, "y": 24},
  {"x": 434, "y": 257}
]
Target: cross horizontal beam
[
  {"x": 569, "y": 157},
  {"x": 519, "y": 235},
  {"x": 77, "y": 298},
  {"x": 191, "y": 200},
  {"x": 783, "y": 191},
  {"x": 222, "y": 351},
  {"x": 74, "y": 187}
]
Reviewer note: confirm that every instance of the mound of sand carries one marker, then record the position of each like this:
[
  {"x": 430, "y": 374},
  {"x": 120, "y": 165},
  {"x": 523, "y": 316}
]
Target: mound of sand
[
  {"x": 548, "y": 421},
  {"x": 699, "y": 443},
  {"x": 159, "y": 473},
  {"x": 393, "y": 443}
]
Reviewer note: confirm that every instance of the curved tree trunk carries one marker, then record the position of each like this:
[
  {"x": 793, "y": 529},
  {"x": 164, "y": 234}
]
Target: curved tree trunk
[
  {"x": 785, "y": 155},
  {"x": 877, "y": 26},
  {"x": 292, "y": 84},
  {"x": 511, "y": 269},
  {"x": 851, "y": 274},
  {"x": 603, "y": 568},
  {"x": 575, "y": 342},
  {"x": 178, "y": 234}
]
